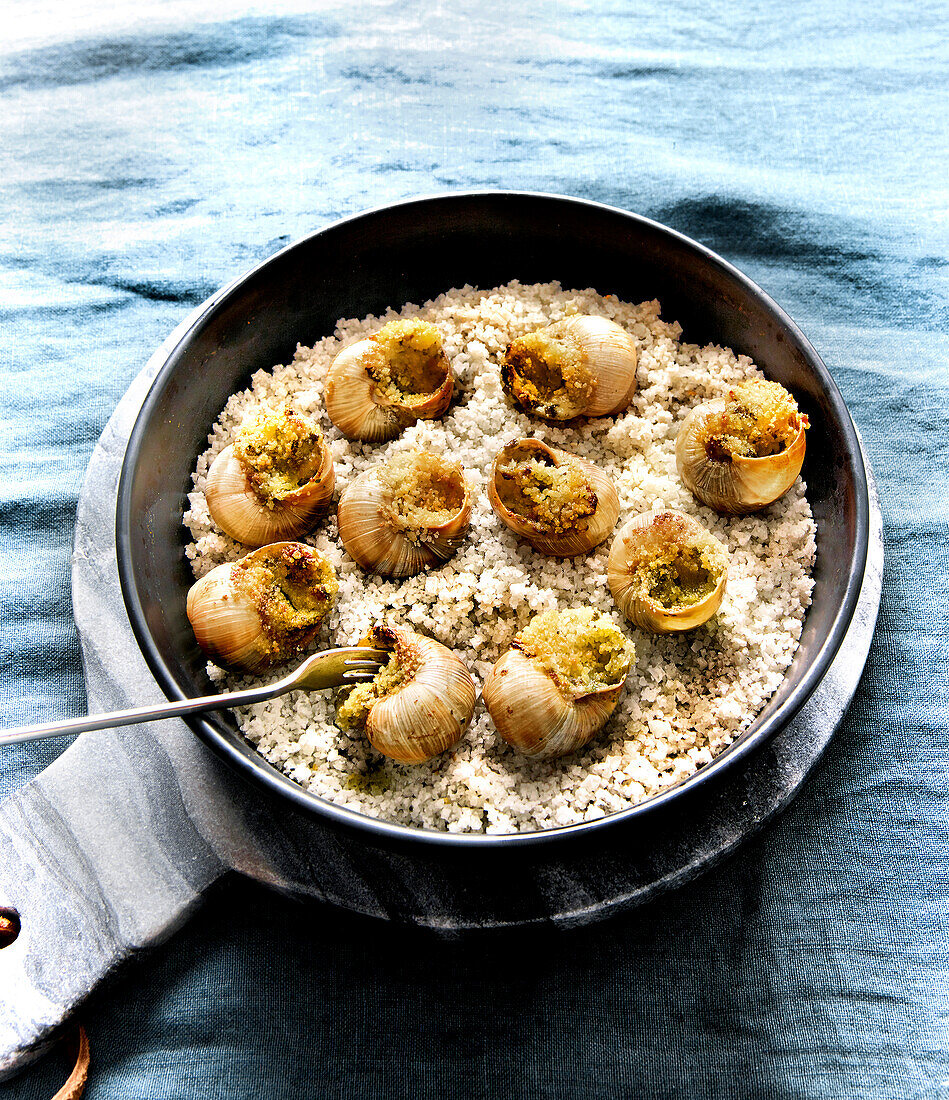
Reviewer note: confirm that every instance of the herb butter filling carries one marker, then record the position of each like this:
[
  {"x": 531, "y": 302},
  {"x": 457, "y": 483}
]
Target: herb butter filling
[
  {"x": 688, "y": 575},
  {"x": 279, "y": 452},
  {"x": 677, "y": 564},
  {"x": 292, "y": 589},
  {"x": 547, "y": 373},
  {"x": 409, "y": 365},
  {"x": 759, "y": 419},
  {"x": 556, "y": 498},
  {"x": 581, "y": 650},
  {"x": 427, "y": 492}
]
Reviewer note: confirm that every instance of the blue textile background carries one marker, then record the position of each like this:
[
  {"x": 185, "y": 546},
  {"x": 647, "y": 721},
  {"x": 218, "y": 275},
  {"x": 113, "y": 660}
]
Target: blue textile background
[{"x": 150, "y": 153}]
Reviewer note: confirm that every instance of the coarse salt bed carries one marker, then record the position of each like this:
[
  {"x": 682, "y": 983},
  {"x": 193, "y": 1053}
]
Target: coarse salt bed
[{"x": 687, "y": 696}]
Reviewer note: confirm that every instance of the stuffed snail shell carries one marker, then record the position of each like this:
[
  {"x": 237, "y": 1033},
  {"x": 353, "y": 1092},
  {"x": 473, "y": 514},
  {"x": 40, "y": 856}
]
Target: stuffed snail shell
[
  {"x": 263, "y": 609},
  {"x": 274, "y": 481},
  {"x": 380, "y": 385},
  {"x": 580, "y": 366},
  {"x": 666, "y": 572},
  {"x": 401, "y": 516},
  {"x": 559, "y": 682},
  {"x": 418, "y": 705},
  {"x": 742, "y": 452},
  {"x": 561, "y": 504}
]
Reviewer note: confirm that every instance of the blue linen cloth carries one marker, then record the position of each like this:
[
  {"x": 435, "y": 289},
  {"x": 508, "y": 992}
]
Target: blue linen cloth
[{"x": 150, "y": 154}]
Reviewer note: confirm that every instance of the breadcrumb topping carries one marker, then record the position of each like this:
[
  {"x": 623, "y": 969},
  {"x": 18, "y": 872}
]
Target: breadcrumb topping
[
  {"x": 409, "y": 365},
  {"x": 760, "y": 419},
  {"x": 427, "y": 491},
  {"x": 292, "y": 588},
  {"x": 354, "y": 704},
  {"x": 279, "y": 452},
  {"x": 675, "y": 563},
  {"x": 581, "y": 649},
  {"x": 547, "y": 373},
  {"x": 556, "y": 498}
]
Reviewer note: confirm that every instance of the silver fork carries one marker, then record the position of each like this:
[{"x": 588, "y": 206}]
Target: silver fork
[{"x": 332, "y": 668}]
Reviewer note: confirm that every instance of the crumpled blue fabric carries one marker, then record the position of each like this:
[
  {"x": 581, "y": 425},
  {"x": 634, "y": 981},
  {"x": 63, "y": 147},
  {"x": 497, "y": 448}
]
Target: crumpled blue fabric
[{"x": 149, "y": 154}]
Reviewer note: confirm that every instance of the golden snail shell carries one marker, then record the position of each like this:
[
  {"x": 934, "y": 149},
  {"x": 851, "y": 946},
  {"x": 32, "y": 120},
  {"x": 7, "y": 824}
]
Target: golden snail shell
[
  {"x": 559, "y": 682},
  {"x": 418, "y": 705},
  {"x": 273, "y": 482},
  {"x": 562, "y": 504},
  {"x": 401, "y": 516},
  {"x": 666, "y": 572},
  {"x": 580, "y": 366},
  {"x": 741, "y": 453},
  {"x": 263, "y": 609},
  {"x": 382, "y": 384}
]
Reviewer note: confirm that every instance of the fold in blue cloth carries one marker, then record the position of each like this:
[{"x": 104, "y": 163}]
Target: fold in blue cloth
[{"x": 149, "y": 156}]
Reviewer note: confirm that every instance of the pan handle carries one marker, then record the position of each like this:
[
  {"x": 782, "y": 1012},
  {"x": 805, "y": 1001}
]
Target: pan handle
[{"x": 98, "y": 859}]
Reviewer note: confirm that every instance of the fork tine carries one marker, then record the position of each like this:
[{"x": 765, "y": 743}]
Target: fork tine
[{"x": 334, "y": 667}]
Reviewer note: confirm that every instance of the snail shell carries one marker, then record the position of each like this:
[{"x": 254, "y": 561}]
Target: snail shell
[
  {"x": 562, "y": 504},
  {"x": 418, "y": 705},
  {"x": 273, "y": 482},
  {"x": 667, "y": 573},
  {"x": 558, "y": 683},
  {"x": 380, "y": 385},
  {"x": 263, "y": 609},
  {"x": 741, "y": 453},
  {"x": 399, "y": 517},
  {"x": 580, "y": 366}
]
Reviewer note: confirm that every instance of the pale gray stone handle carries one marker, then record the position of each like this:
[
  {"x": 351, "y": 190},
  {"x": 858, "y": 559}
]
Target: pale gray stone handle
[{"x": 99, "y": 858}]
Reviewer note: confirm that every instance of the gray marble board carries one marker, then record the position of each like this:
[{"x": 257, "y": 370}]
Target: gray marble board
[{"x": 110, "y": 849}]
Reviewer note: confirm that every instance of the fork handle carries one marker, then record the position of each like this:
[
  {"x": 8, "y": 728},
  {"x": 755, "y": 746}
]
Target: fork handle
[{"x": 73, "y": 726}]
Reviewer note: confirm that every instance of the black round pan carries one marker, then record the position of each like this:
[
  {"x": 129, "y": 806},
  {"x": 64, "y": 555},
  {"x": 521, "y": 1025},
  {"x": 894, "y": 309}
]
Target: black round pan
[{"x": 411, "y": 252}]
